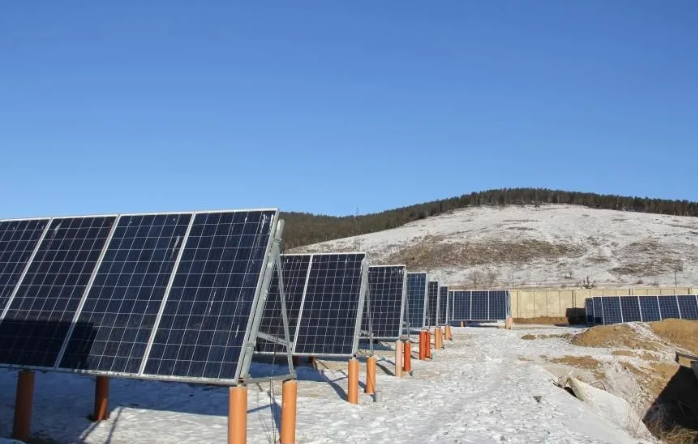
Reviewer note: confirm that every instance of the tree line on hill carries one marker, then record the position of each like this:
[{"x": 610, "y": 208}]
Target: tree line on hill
[{"x": 305, "y": 228}]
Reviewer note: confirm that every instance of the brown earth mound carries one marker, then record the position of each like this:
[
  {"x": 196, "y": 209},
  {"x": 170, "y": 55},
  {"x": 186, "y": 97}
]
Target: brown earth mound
[
  {"x": 677, "y": 331},
  {"x": 543, "y": 320},
  {"x": 611, "y": 336}
]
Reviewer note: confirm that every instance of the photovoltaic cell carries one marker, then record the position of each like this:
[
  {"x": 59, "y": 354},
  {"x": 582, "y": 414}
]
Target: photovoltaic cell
[
  {"x": 479, "y": 309},
  {"x": 432, "y": 303},
  {"x": 295, "y": 275},
  {"x": 125, "y": 297},
  {"x": 386, "y": 293},
  {"x": 598, "y": 310},
  {"x": 330, "y": 315},
  {"x": 39, "y": 316},
  {"x": 689, "y": 306},
  {"x": 461, "y": 306},
  {"x": 630, "y": 307},
  {"x": 449, "y": 305},
  {"x": 498, "y": 305},
  {"x": 649, "y": 306},
  {"x": 18, "y": 239},
  {"x": 669, "y": 307},
  {"x": 611, "y": 310},
  {"x": 206, "y": 315},
  {"x": 443, "y": 302},
  {"x": 416, "y": 299}
]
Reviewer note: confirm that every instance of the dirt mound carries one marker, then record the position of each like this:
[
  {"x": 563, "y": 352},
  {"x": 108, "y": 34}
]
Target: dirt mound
[
  {"x": 542, "y": 320},
  {"x": 612, "y": 336},
  {"x": 677, "y": 331}
]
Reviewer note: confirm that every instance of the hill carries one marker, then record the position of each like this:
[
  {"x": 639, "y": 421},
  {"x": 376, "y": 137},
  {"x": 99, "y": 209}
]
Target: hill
[
  {"x": 305, "y": 229},
  {"x": 538, "y": 245}
]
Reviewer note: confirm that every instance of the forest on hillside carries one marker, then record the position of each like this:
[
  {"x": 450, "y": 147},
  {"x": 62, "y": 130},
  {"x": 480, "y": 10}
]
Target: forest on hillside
[{"x": 305, "y": 228}]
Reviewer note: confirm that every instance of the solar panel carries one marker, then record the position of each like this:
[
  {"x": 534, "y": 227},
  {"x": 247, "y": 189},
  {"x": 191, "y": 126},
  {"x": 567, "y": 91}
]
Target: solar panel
[
  {"x": 649, "y": 308},
  {"x": 205, "y": 319},
  {"x": 37, "y": 319},
  {"x": 688, "y": 306},
  {"x": 479, "y": 306},
  {"x": 416, "y": 299},
  {"x": 443, "y": 303},
  {"x": 295, "y": 277},
  {"x": 449, "y": 306},
  {"x": 330, "y": 317},
  {"x": 432, "y": 303},
  {"x": 589, "y": 310},
  {"x": 386, "y": 286},
  {"x": 123, "y": 302},
  {"x": 611, "y": 310},
  {"x": 630, "y": 308},
  {"x": 498, "y": 305},
  {"x": 18, "y": 240},
  {"x": 598, "y": 310},
  {"x": 461, "y": 305},
  {"x": 669, "y": 307}
]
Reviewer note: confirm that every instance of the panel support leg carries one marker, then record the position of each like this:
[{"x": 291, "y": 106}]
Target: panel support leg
[
  {"x": 438, "y": 343},
  {"x": 427, "y": 340},
  {"x": 422, "y": 345},
  {"x": 370, "y": 375},
  {"x": 407, "y": 361},
  {"x": 23, "y": 405},
  {"x": 353, "y": 383},
  {"x": 462, "y": 324},
  {"x": 398, "y": 359},
  {"x": 289, "y": 396},
  {"x": 237, "y": 415},
  {"x": 101, "y": 409}
]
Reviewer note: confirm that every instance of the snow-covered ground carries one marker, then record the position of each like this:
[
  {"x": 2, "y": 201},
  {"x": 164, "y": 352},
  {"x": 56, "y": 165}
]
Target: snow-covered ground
[
  {"x": 477, "y": 390},
  {"x": 550, "y": 245}
]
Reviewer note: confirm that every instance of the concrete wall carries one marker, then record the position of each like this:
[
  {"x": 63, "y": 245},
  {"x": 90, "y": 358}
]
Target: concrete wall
[{"x": 533, "y": 303}]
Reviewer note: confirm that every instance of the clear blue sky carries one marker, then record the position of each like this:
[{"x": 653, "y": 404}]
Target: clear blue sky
[{"x": 321, "y": 106}]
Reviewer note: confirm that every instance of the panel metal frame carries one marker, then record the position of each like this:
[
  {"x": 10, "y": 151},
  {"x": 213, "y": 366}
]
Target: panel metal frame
[
  {"x": 402, "y": 304},
  {"x": 141, "y": 375}
]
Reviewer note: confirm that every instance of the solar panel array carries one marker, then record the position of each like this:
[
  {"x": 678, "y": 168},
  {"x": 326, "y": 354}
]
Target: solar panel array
[
  {"x": 432, "y": 303},
  {"x": 442, "y": 303},
  {"x": 161, "y": 296},
  {"x": 387, "y": 291},
  {"x": 416, "y": 299},
  {"x": 618, "y": 309},
  {"x": 329, "y": 320},
  {"x": 479, "y": 305}
]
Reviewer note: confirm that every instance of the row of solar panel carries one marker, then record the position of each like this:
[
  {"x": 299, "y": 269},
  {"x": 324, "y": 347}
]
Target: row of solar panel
[
  {"x": 618, "y": 309},
  {"x": 479, "y": 305},
  {"x": 427, "y": 302}
]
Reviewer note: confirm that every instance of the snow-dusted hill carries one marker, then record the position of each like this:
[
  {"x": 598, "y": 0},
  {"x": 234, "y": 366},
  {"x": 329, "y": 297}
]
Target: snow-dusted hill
[{"x": 550, "y": 245}]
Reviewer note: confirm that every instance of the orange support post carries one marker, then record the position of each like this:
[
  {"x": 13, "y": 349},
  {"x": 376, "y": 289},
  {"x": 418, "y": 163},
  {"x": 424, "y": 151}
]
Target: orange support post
[
  {"x": 23, "y": 405},
  {"x": 237, "y": 415},
  {"x": 462, "y": 324},
  {"x": 438, "y": 344},
  {"x": 422, "y": 346},
  {"x": 398, "y": 359},
  {"x": 370, "y": 375},
  {"x": 407, "y": 361},
  {"x": 101, "y": 409},
  {"x": 449, "y": 332},
  {"x": 428, "y": 343},
  {"x": 353, "y": 383},
  {"x": 289, "y": 396}
]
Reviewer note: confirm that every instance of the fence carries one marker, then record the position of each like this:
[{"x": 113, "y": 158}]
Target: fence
[{"x": 532, "y": 303}]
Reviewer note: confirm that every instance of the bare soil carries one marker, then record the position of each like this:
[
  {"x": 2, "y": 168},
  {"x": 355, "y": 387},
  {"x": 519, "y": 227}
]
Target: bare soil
[
  {"x": 613, "y": 336},
  {"x": 678, "y": 331},
  {"x": 542, "y": 320}
]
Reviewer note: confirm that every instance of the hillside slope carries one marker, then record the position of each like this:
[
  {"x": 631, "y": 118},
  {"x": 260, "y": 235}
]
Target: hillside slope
[{"x": 549, "y": 245}]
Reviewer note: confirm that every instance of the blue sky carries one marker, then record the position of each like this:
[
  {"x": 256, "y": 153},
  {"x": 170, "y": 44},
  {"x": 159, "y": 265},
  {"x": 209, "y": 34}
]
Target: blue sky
[{"x": 328, "y": 107}]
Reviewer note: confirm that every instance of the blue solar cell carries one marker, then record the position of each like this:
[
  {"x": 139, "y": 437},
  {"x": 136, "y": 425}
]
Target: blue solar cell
[
  {"x": 589, "y": 310},
  {"x": 461, "y": 306},
  {"x": 432, "y": 303},
  {"x": 649, "y": 308},
  {"x": 449, "y": 307},
  {"x": 498, "y": 305},
  {"x": 630, "y": 308},
  {"x": 443, "y": 302},
  {"x": 416, "y": 299},
  {"x": 479, "y": 308},
  {"x": 611, "y": 310},
  {"x": 669, "y": 307},
  {"x": 598, "y": 310},
  {"x": 385, "y": 283},
  {"x": 689, "y": 306}
]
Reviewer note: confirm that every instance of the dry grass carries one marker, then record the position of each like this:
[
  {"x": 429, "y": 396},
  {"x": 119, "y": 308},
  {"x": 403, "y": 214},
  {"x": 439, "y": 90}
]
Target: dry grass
[
  {"x": 623, "y": 353},
  {"x": 582, "y": 362},
  {"x": 434, "y": 252},
  {"x": 677, "y": 331},
  {"x": 613, "y": 336},
  {"x": 662, "y": 426},
  {"x": 528, "y": 337}
]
